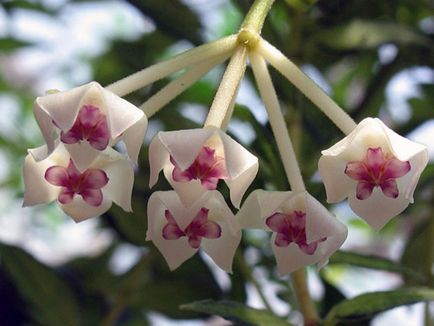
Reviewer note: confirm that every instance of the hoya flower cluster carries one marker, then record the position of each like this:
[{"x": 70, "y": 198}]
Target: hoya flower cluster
[{"x": 373, "y": 166}]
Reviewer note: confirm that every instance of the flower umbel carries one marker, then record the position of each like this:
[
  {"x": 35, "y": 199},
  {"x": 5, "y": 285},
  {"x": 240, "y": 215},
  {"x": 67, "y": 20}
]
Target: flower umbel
[
  {"x": 377, "y": 170},
  {"x": 374, "y": 167}
]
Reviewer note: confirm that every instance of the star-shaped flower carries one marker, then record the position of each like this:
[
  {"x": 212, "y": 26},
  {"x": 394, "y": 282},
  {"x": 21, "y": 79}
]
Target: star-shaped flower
[
  {"x": 179, "y": 231},
  {"x": 80, "y": 193},
  {"x": 374, "y": 167},
  {"x": 304, "y": 231},
  {"x": 195, "y": 160},
  {"x": 87, "y": 119}
]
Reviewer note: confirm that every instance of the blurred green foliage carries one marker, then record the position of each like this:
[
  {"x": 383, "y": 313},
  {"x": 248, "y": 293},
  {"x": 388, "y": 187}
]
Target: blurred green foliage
[{"x": 341, "y": 40}]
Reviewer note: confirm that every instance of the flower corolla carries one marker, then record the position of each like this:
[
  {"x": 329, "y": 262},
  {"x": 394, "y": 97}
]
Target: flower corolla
[
  {"x": 179, "y": 231},
  {"x": 374, "y": 167},
  {"x": 87, "y": 119},
  {"x": 81, "y": 194},
  {"x": 194, "y": 160},
  {"x": 304, "y": 231}
]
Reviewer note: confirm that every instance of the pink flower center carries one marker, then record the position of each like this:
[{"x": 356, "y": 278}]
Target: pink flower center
[
  {"x": 200, "y": 227},
  {"x": 207, "y": 167},
  {"x": 377, "y": 170},
  {"x": 90, "y": 125},
  {"x": 291, "y": 228},
  {"x": 87, "y": 184}
]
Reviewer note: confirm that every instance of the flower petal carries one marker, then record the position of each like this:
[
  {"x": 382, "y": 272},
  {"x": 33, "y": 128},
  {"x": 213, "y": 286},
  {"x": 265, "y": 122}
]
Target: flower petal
[
  {"x": 134, "y": 136},
  {"x": 79, "y": 210},
  {"x": 364, "y": 190},
  {"x": 57, "y": 175}
]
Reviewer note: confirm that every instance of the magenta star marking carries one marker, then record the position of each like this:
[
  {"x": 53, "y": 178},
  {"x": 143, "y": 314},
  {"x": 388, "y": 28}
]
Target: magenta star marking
[
  {"x": 291, "y": 228},
  {"x": 87, "y": 184},
  {"x": 200, "y": 227},
  {"x": 90, "y": 125},
  {"x": 207, "y": 167},
  {"x": 377, "y": 170}
]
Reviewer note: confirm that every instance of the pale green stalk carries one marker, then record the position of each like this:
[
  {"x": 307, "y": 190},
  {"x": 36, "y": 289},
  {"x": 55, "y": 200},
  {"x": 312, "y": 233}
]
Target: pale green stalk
[
  {"x": 177, "y": 86},
  {"x": 255, "y": 18},
  {"x": 308, "y": 87},
  {"x": 227, "y": 89},
  {"x": 277, "y": 122},
  {"x": 216, "y": 49}
]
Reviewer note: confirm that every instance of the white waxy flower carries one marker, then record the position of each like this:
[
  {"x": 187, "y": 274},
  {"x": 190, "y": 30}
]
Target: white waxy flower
[
  {"x": 87, "y": 119},
  {"x": 80, "y": 193},
  {"x": 374, "y": 167},
  {"x": 179, "y": 231},
  {"x": 195, "y": 160},
  {"x": 304, "y": 231}
]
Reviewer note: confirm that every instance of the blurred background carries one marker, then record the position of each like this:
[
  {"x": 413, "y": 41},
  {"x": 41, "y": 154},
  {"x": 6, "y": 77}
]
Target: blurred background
[{"x": 374, "y": 58}]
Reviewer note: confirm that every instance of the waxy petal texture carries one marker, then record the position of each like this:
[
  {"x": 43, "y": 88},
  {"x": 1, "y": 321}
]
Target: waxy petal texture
[
  {"x": 81, "y": 194},
  {"x": 179, "y": 231},
  {"x": 87, "y": 119},
  {"x": 304, "y": 231},
  {"x": 194, "y": 160},
  {"x": 374, "y": 167}
]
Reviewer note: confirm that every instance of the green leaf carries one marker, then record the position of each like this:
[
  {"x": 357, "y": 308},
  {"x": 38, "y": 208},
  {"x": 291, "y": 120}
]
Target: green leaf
[
  {"x": 367, "y": 305},
  {"x": 374, "y": 262},
  {"x": 11, "y": 44},
  {"x": 172, "y": 17},
  {"x": 236, "y": 312},
  {"x": 365, "y": 34},
  {"x": 50, "y": 299}
]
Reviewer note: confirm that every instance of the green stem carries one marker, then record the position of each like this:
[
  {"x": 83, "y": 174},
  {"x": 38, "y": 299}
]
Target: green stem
[
  {"x": 255, "y": 18},
  {"x": 246, "y": 270},
  {"x": 222, "y": 103},
  {"x": 184, "y": 60}
]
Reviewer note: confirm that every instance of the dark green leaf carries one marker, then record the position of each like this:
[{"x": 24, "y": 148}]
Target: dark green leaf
[
  {"x": 50, "y": 299},
  {"x": 373, "y": 262},
  {"x": 11, "y": 44},
  {"x": 236, "y": 312},
  {"x": 367, "y": 305}
]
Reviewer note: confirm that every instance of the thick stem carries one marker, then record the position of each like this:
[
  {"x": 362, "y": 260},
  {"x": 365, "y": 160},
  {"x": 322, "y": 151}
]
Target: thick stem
[
  {"x": 307, "y": 306},
  {"x": 144, "y": 77},
  {"x": 255, "y": 18},
  {"x": 277, "y": 122},
  {"x": 227, "y": 89},
  {"x": 177, "y": 86},
  {"x": 312, "y": 91}
]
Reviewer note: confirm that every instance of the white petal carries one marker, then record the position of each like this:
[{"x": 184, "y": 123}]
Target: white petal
[
  {"x": 121, "y": 114},
  {"x": 188, "y": 192},
  {"x": 174, "y": 251},
  {"x": 259, "y": 205},
  {"x": 82, "y": 154},
  {"x": 241, "y": 165},
  {"x": 121, "y": 177},
  {"x": 222, "y": 249},
  {"x": 378, "y": 209},
  {"x": 79, "y": 210},
  {"x": 62, "y": 107},
  {"x": 133, "y": 138},
  {"x": 291, "y": 258},
  {"x": 337, "y": 184},
  {"x": 37, "y": 189},
  {"x": 320, "y": 223}
]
